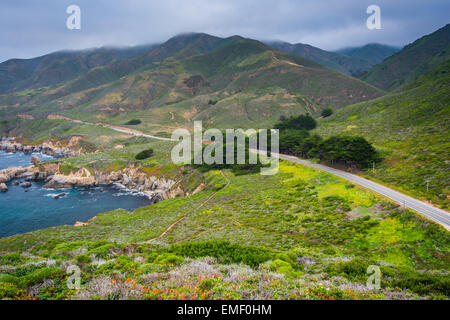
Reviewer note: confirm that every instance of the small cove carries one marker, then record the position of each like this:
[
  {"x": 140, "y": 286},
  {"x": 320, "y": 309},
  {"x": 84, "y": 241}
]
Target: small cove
[{"x": 24, "y": 210}]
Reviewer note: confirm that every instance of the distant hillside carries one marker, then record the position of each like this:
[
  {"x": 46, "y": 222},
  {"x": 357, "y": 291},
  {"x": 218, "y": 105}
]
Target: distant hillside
[
  {"x": 373, "y": 52},
  {"x": 58, "y": 67},
  {"x": 413, "y": 60},
  {"x": 343, "y": 63},
  {"x": 412, "y": 128},
  {"x": 226, "y": 82}
]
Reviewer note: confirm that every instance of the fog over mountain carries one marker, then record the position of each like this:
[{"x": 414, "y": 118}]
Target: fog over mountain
[{"x": 33, "y": 28}]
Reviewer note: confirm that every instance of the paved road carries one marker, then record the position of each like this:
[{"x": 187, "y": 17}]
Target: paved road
[{"x": 438, "y": 215}]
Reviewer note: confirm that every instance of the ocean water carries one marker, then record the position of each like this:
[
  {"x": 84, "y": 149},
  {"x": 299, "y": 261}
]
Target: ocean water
[
  {"x": 19, "y": 159},
  {"x": 37, "y": 208}
]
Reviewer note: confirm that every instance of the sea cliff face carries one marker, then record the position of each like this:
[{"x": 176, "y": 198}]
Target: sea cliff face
[{"x": 156, "y": 189}]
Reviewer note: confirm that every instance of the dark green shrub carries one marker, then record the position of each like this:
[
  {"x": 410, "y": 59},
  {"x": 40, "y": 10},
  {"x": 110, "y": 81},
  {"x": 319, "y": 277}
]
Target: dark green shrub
[
  {"x": 151, "y": 257},
  {"x": 96, "y": 244},
  {"x": 347, "y": 149},
  {"x": 353, "y": 268},
  {"x": 133, "y": 122},
  {"x": 326, "y": 112},
  {"x": 102, "y": 251},
  {"x": 24, "y": 270},
  {"x": 290, "y": 139},
  {"x": 11, "y": 259},
  {"x": 329, "y": 251},
  {"x": 144, "y": 154},
  {"x": 237, "y": 169},
  {"x": 105, "y": 269},
  {"x": 39, "y": 275},
  {"x": 84, "y": 258},
  {"x": 4, "y": 277},
  {"x": 168, "y": 259},
  {"x": 126, "y": 264},
  {"x": 425, "y": 283},
  {"x": 120, "y": 264},
  {"x": 224, "y": 251},
  {"x": 69, "y": 246},
  {"x": 301, "y": 122}
]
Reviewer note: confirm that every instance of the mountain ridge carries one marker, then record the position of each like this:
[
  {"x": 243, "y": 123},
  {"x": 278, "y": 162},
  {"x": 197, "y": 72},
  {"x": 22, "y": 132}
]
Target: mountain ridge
[
  {"x": 57, "y": 67},
  {"x": 373, "y": 52},
  {"x": 244, "y": 76},
  {"x": 413, "y": 60},
  {"x": 336, "y": 61}
]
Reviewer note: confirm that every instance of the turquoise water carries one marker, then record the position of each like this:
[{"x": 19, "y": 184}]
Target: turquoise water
[{"x": 22, "y": 211}]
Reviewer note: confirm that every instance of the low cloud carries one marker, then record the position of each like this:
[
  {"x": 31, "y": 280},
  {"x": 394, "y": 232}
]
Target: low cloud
[{"x": 32, "y": 28}]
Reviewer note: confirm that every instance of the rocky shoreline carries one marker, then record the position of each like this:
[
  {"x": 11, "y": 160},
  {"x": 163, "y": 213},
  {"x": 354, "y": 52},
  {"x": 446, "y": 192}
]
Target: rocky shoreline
[
  {"x": 131, "y": 178},
  {"x": 10, "y": 145}
]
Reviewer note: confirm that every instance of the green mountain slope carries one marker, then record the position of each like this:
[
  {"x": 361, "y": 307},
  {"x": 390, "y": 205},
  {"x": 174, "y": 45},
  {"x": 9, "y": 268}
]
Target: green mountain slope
[
  {"x": 58, "y": 67},
  {"x": 343, "y": 63},
  {"x": 412, "y": 127},
  {"x": 228, "y": 82},
  {"x": 413, "y": 60},
  {"x": 373, "y": 52}
]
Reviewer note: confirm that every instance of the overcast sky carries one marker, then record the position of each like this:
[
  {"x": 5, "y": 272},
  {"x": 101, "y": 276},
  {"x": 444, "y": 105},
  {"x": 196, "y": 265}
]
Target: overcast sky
[{"x": 30, "y": 28}]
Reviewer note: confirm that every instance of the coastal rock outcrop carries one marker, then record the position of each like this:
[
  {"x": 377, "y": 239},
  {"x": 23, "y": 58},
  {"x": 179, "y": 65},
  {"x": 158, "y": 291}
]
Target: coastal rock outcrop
[
  {"x": 131, "y": 178},
  {"x": 156, "y": 189},
  {"x": 40, "y": 172},
  {"x": 3, "y": 187},
  {"x": 9, "y": 174},
  {"x": 81, "y": 178},
  {"x": 11, "y": 146},
  {"x": 35, "y": 159}
]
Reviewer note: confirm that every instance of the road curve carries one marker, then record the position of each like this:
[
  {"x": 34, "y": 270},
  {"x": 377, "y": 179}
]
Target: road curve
[{"x": 437, "y": 215}]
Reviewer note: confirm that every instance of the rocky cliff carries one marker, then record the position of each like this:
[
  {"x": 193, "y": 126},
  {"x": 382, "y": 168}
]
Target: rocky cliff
[
  {"x": 155, "y": 188},
  {"x": 49, "y": 148}
]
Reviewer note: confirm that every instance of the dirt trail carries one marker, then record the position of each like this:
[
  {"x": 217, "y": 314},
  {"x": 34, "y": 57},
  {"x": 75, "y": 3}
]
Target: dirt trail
[{"x": 185, "y": 216}]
